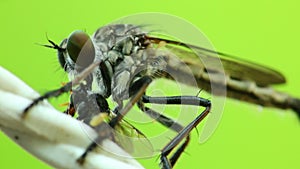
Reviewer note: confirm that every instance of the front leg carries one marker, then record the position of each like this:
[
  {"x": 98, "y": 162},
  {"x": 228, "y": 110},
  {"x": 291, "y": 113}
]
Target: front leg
[{"x": 66, "y": 88}]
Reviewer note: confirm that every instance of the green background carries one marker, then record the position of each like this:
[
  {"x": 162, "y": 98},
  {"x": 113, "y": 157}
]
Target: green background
[{"x": 262, "y": 31}]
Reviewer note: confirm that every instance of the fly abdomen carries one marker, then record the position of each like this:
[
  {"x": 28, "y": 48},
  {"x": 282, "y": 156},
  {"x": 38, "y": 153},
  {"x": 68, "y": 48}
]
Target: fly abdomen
[
  {"x": 265, "y": 96},
  {"x": 294, "y": 103}
]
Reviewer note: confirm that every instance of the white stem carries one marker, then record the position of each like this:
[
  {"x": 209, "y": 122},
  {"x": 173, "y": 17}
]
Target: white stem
[{"x": 52, "y": 136}]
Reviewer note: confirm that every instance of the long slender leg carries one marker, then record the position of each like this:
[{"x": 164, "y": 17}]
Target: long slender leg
[
  {"x": 67, "y": 87},
  {"x": 142, "y": 85},
  {"x": 186, "y": 100},
  {"x": 169, "y": 123},
  {"x": 53, "y": 93},
  {"x": 166, "y": 121},
  {"x": 166, "y": 164},
  {"x": 179, "y": 151},
  {"x": 162, "y": 119}
]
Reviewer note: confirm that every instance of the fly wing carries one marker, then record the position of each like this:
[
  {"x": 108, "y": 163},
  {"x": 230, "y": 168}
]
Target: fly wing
[
  {"x": 132, "y": 140},
  {"x": 197, "y": 57},
  {"x": 241, "y": 80}
]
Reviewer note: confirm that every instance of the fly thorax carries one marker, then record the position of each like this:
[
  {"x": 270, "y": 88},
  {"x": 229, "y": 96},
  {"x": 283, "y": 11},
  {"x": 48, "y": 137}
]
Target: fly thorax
[
  {"x": 125, "y": 45},
  {"x": 114, "y": 57},
  {"x": 111, "y": 35},
  {"x": 156, "y": 61}
]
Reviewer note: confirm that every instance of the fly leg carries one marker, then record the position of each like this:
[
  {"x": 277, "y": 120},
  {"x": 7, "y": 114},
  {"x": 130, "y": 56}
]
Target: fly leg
[
  {"x": 54, "y": 93},
  {"x": 182, "y": 132},
  {"x": 169, "y": 123},
  {"x": 136, "y": 91},
  {"x": 64, "y": 89},
  {"x": 166, "y": 164},
  {"x": 162, "y": 119}
]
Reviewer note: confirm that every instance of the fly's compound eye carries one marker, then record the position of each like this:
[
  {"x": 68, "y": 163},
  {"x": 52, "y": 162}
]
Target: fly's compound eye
[
  {"x": 60, "y": 54},
  {"x": 81, "y": 49}
]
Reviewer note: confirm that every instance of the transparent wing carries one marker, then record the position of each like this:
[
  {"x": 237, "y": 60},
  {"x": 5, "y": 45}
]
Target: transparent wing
[
  {"x": 235, "y": 68},
  {"x": 132, "y": 140}
]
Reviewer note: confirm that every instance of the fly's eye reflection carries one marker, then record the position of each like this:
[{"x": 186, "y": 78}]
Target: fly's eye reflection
[{"x": 81, "y": 49}]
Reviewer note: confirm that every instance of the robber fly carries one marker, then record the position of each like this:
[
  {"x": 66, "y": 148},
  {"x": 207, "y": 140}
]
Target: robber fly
[{"x": 121, "y": 61}]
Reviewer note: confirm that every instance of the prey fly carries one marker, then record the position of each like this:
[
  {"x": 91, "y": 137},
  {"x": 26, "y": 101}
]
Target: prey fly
[{"x": 121, "y": 60}]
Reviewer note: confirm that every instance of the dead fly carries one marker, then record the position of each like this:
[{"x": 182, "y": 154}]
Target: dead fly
[{"x": 121, "y": 61}]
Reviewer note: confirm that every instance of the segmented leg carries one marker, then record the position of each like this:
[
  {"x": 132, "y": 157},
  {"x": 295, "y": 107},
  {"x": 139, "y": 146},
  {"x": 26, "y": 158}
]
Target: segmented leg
[
  {"x": 169, "y": 123},
  {"x": 53, "y": 93},
  {"x": 182, "y": 132},
  {"x": 168, "y": 164},
  {"x": 66, "y": 88}
]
